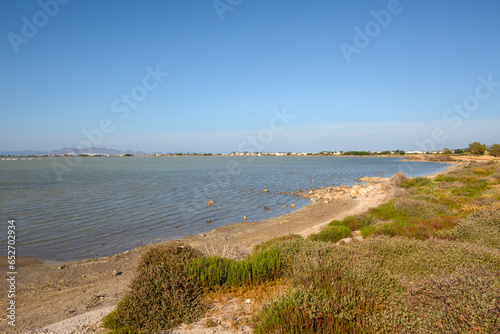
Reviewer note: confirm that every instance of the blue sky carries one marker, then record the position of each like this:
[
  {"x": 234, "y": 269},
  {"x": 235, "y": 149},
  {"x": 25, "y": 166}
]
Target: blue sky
[{"x": 350, "y": 74}]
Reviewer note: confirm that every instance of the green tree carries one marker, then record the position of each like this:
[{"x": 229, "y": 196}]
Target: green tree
[
  {"x": 495, "y": 150},
  {"x": 477, "y": 148},
  {"x": 446, "y": 151},
  {"x": 458, "y": 151}
]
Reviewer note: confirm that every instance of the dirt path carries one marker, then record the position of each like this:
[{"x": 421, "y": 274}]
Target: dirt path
[{"x": 54, "y": 294}]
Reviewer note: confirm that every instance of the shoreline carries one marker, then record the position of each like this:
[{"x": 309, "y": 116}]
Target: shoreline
[
  {"x": 78, "y": 287},
  {"x": 25, "y": 260},
  {"x": 83, "y": 286}
]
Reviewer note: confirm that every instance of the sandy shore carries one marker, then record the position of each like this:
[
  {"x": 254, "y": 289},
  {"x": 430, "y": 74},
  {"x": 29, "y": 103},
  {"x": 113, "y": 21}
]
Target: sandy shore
[{"x": 73, "y": 298}]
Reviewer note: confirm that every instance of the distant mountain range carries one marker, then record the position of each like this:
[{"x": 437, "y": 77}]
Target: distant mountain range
[
  {"x": 22, "y": 153},
  {"x": 74, "y": 151}
]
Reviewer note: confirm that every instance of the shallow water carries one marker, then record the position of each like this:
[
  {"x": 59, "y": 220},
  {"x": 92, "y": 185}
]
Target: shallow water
[{"x": 105, "y": 205}]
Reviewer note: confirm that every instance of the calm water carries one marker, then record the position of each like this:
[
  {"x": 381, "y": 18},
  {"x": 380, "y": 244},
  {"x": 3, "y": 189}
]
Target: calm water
[{"x": 106, "y": 205}]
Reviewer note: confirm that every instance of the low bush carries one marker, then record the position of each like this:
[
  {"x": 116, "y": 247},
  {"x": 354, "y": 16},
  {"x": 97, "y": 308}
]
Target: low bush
[
  {"x": 332, "y": 233},
  {"x": 383, "y": 284},
  {"x": 416, "y": 182},
  {"x": 359, "y": 221},
  {"x": 413, "y": 208},
  {"x": 465, "y": 301},
  {"x": 213, "y": 272},
  {"x": 482, "y": 228},
  {"x": 162, "y": 295},
  {"x": 210, "y": 271},
  {"x": 398, "y": 179},
  {"x": 367, "y": 231}
]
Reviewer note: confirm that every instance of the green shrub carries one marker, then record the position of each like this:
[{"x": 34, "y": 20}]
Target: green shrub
[
  {"x": 482, "y": 228},
  {"x": 240, "y": 273},
  {"x": 412, "y": 208},
  {"x": 299, "y": 313},
  {"x": 266, "y": 265},
  {"x": 385, "y": 211},
  {"x": 210, "y": 271},
  {"x": 465, "y": 301},
  {"x": 358, "y": 221},
  {"x": 417, "y": 182},
  {"x": 275, "y": 242},
  {"x": 332, "y": 233},
  {"x": 162, "y": 295},
  {"x": 386, "y": 285},
  {"x": 214, "y": 272},
  {"x": 367, "y": 231}
]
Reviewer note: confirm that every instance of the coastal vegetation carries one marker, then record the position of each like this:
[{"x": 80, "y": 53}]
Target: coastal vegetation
[
  {"x": 429, "y": 262},
  {"x": 477, "y": 148}
]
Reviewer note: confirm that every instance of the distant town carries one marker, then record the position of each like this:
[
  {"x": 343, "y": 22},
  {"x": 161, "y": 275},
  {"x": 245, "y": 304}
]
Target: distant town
[{"x": 105, "y": 152}]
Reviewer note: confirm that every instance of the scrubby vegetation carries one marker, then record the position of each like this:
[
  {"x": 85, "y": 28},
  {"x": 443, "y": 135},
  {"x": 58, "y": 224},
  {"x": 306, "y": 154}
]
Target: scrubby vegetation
[{"x": 430, "y": 263}]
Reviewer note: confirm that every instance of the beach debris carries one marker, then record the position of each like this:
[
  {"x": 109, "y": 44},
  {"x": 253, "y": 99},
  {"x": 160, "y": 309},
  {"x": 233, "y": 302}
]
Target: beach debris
[
  {"x": 116, "y": 273},
  {"x": 210, "y": 203},
  {"x": 266, "y": 208},
  {"x": 248, "y": 301},
  {"x": 176, "y": 226},
  {"x": 61, "y": 267}
]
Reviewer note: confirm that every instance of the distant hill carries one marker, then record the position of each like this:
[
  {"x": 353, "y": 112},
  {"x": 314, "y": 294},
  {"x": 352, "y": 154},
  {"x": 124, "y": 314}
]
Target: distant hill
[
  {"x": 73, "y": 151},
  {"x": 22, "y": 153},
  {"x": 94, "y": 151}
]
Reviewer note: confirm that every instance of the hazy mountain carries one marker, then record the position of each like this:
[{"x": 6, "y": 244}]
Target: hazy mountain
[
  {"x": 22, "y": 153},
  {"x": 93, "y": 150},
  {"x": 74, "y": 151}
]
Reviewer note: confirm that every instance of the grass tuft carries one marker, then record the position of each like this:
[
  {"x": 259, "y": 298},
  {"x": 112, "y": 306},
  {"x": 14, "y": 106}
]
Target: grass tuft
[{"x": 332, "y": 233}]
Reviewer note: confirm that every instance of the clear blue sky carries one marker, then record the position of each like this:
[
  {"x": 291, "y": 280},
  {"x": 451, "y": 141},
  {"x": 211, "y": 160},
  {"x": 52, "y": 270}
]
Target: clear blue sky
[{"x": 229, "y": 67}]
